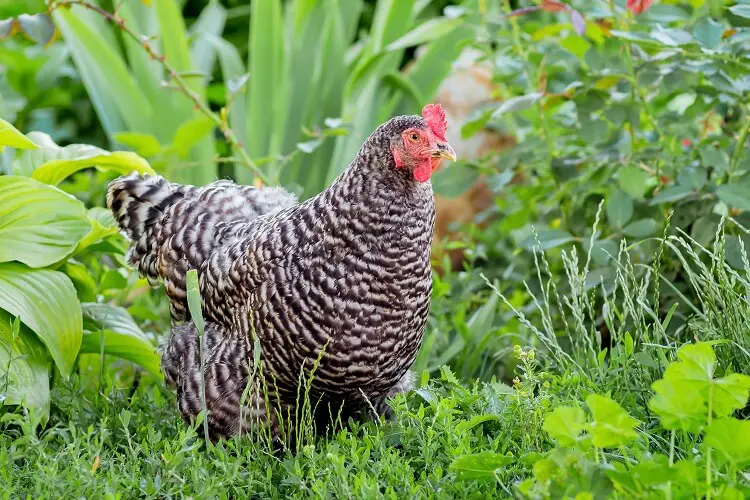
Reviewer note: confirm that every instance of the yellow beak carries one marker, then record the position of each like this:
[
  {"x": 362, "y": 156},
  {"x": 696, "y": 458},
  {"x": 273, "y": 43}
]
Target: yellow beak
[{"x": 444, "y": 150}]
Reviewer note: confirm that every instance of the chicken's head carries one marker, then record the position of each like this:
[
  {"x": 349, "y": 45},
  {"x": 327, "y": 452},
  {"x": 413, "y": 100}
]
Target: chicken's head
[{"x": 419, "y": 144}]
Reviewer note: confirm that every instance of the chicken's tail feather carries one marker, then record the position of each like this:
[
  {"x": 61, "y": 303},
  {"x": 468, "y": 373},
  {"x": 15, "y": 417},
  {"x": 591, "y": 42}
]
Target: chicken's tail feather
[{"x": 138, "y": 204}]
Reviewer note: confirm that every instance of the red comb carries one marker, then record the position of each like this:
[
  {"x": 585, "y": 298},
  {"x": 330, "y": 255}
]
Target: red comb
[{"x": 436, "y": 120}]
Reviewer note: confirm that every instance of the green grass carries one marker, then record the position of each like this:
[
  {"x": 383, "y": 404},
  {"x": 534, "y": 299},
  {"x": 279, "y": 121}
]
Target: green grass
[{"x": 533, "y": 438}]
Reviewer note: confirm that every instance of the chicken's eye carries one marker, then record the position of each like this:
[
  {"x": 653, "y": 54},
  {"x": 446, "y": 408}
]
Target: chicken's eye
[{"x": 414, "y": 136}]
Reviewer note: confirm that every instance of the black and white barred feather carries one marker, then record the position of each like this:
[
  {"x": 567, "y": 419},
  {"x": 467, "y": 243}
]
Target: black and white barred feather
[{"x": 336, "y": 288}]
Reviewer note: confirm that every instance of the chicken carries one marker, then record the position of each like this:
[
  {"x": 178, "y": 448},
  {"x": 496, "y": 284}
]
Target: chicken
[{"x": 333, "y": 292}]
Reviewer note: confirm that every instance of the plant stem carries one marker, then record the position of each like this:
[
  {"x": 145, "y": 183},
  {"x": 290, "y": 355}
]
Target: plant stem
[
  {"x": 182, "y": 86},
  {"x": 708, "y": 456}
]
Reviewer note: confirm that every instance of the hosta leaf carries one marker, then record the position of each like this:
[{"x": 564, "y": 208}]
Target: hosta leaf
[
  {"x": 10, "y": 136},
  {"x": 123, "y": 162},
  {"x": 480, "y": 466},
  {"x": 121, "y": 336},
  {"x": 611, "y": 425},
  {"x": 46, "y": 302},
  {"x": 730, "y": 437},
  {"x": 28, "y": 377},
  {"x": 39, "y": 224},
  {"x": 565, "y": 424}
]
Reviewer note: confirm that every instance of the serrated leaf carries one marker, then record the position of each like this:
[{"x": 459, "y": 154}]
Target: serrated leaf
[
  {"x": 10, "y": 136},
  {"x": 46, "y": 302},
  {"x": 39, "y": 224},
  {"x": 565, "y": 424},
  {"x": 678, "y": 407},
  {"x": 122, "y": 336},
  {"x": 480, "y": 466},
  {"x": 730, "y": 393},
  {"x": 729, "y": 437},
  {"x": 611, "y": 426}
]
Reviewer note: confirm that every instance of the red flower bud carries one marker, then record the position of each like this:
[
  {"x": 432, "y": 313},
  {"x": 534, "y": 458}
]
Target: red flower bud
[{"x": 638, "y": 6}]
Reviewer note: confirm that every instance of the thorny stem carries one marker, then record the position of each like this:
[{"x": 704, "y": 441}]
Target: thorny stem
[{"x": 221, "y": 122}]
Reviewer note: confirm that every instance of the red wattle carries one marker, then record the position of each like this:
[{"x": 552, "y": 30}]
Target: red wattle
[{"x": 422, "y": 173}]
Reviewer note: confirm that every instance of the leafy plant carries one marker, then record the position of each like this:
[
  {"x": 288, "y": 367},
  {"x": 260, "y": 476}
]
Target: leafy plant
[
  {"x": 43, "y": 231},
  {"x": 688, "y": 399}
]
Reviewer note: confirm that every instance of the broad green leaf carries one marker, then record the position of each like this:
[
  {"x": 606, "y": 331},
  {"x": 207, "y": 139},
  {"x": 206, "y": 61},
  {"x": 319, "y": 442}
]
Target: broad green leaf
[
  {"x": 46, "y": 302},
  {"x": 611, "y": 425},
  {"x": 642, "y": 228},
  {"x": 121, "y": 336},
  {"x": 735, "y": 195},
  {"x": 102, "y": 226},
  {"x": 480, "y": 466},
  {"x": 191, "y": 133},
  {"x": 565, "y": 424},
  {"x": 619, "y": 208},
  {"x": 731, "y": 438},
  {"x": 425, "y": 32},
  {"x": 51, "y": 163},
  {"x": 700, "y": 355},
  {"x": 28, "y": 377},
  {"x": 10, "y": 136},
  {"x": 122, "y": 162},
  {"x": 633, "y": 181},
  {"x": 672, "y": 193},
  {"x": 730, "y": 393},
  {"x": 39, "y": 224},
  {"x": 678, "y": 407}
]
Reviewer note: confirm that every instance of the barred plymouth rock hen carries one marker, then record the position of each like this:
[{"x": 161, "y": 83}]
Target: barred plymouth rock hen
[{"x": 334, "y": 292}]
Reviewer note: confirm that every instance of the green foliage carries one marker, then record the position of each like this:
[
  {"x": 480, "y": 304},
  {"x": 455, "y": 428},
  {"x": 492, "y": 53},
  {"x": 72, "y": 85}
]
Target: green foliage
[
  {"x": 640, "y": 472},
  {"x": 129, "y": 97},
  {"x": 43, "y": 232}
]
